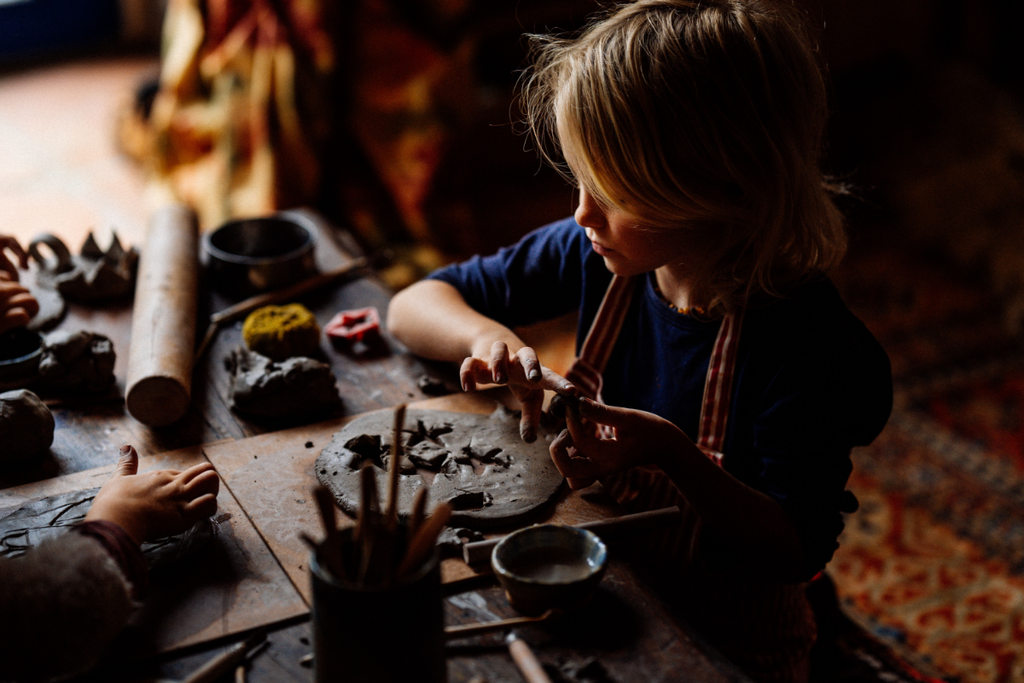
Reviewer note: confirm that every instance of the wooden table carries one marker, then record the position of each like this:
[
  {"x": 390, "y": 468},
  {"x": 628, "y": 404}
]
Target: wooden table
[{"x": 625, "y": 631}]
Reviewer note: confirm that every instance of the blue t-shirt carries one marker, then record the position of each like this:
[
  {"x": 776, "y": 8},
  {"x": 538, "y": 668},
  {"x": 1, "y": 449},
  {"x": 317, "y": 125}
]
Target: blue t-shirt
[{"x": 811, "y": 382}]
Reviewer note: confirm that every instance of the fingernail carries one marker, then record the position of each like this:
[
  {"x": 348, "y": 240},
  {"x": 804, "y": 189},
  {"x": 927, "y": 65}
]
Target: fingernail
[
  {"x": 126, "y": 449},
  {"x": 499, "y": 377},
  {"x": 529, "y": 436},
  {"x": 465, "y": 386},
  {"x": 534, "y": 375}
]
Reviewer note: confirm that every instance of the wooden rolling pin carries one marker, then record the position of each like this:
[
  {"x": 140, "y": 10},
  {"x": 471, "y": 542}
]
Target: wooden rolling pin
[{"x": 164, "y": 319}]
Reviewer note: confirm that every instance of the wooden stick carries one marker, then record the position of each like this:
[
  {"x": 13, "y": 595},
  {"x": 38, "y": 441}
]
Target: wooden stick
[
  {"x": 480, "y": 551},
  {"x": 366, "y": 524},
  {"x": 419, "y": 510},
  {"x": 423, "y": 542},
  {"x": 391, "y": 518},
  {"x": 470, "y": 630},
  {"x": 527, "y": 662},
  {"x": 331, "y": 551}
]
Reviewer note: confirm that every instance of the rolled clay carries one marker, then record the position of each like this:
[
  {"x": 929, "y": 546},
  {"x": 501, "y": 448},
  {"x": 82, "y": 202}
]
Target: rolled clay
[
  {"x": 162, "y": 344},
  {"x": 26, "y": 426}
]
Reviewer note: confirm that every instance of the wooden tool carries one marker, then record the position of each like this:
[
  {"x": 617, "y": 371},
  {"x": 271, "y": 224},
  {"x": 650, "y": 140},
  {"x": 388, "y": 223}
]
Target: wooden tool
[
  {"x": 524, "y": 658},
  {"x": 469, "y": 630},
  {"x": 164, "y": 319},
  {"x": 480, "y": 551}
]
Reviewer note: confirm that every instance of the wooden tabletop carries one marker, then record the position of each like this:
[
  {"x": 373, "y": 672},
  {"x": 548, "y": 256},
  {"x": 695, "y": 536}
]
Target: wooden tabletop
[{"x": 624, "y": 633}]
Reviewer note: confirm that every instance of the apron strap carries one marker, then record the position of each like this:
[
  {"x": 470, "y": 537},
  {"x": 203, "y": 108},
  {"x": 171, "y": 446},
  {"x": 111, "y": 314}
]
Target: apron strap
[
  {"x": 714, "y": 414},
  {"x": 588, "y": 367}
]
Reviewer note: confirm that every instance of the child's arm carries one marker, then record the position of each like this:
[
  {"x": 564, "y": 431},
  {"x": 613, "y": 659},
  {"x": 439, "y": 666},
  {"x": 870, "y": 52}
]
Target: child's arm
[
  {"x": 434, "y": 321},
  {"x": 756, "y": 527}
]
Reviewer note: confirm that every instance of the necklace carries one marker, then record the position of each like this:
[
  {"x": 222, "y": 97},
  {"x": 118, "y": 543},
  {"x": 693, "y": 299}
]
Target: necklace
[{"x": 697, "y": 310}]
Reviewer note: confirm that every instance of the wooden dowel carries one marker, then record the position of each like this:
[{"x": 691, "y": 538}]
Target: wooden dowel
[
  {"x": 480, "y": 551},
  {"x": 423, "y": 542},
  {"x": 419, "y": 510},
  {"x": 391, "y": 518},
  {"x": 527, "y": 662}
]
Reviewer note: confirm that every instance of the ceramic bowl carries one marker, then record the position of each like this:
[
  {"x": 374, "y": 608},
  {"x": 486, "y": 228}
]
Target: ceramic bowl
[
  {"x": 549, "y": 566},
  {"x": 260, "y": 254},
  {"x": 20, "y": 351}
]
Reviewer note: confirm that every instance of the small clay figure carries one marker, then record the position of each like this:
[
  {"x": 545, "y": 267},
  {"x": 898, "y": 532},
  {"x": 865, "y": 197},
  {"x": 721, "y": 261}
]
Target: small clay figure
[
  {"x": 297, "y": 386},
  {"x": 94, "y": 275},
  {"x": 77, "y": 361},
  {"x": 26, "y": 427},
  {"x": 280, "y": 332}
]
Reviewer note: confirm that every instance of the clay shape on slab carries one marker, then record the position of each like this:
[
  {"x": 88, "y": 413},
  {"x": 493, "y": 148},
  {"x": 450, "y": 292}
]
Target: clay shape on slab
[
  {"x": 93, "y": 275},
  {"x": 26, "y": 426},
  {"x": 477, "y": 463},
  {"x": 77, "y": 361},
  {"x": 262, "y": 387}
]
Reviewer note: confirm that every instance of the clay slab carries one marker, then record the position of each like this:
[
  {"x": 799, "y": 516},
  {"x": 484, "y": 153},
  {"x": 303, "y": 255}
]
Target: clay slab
[{"x": 477, "y": 463}]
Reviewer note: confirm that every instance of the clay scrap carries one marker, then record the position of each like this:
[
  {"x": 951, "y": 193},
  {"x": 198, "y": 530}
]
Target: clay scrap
[
  {"x": 26, "y": 427},
  {"x": 476, "y": 463},
  {"x": 76, "y": 361},
  {"x": 265, "y": 388},
  {"x": 94, "y": 275}
]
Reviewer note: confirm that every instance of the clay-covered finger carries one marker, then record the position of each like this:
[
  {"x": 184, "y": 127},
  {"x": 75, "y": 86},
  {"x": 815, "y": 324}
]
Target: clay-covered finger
[
  {"x": 499, "y": 362},
  {"x": 206, "y": 482},
  {"x": 532, "y": 407},
  {"x": 531, "y": 365}
]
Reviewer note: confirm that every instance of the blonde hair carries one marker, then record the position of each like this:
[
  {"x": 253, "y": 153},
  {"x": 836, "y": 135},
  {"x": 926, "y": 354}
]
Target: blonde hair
[{"x": 708, "y": 114}]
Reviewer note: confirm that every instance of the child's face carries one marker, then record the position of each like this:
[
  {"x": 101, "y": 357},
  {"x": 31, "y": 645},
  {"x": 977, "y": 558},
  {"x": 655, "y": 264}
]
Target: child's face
[{"x": 629, "y": 247}]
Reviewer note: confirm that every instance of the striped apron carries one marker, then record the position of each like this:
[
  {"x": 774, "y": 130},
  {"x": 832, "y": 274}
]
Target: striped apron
[{"x": 764, "y": 627}]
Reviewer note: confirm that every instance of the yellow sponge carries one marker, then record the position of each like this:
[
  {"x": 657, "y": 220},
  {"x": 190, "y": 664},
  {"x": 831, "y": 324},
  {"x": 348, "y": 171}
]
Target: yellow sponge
[{"x": 280, "y": 332}]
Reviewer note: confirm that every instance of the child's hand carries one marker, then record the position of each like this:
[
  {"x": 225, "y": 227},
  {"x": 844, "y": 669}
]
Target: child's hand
[
  {"x": 525, "y": 377},
  {"x": 158, "y": 503},
  {"x": 641, "y": 438},
  {"x": 17, "y": 305},
  {"x": 6, "y": 266}
]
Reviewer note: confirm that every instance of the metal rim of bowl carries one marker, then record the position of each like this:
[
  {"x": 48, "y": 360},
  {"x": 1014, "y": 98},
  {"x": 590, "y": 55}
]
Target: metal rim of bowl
[
  {"x": 244, "y": 260},
  {"x": 590, "y": 538}
]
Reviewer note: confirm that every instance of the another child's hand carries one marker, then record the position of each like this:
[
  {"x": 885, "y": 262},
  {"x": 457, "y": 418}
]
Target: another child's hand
[
  {"x": 17, "y": 305},
  {"x": 641, "y": 438},
  {"x": 155, "y": 504},
  {"x": 525, "y": 377},
  {"x": 8, "y": 243}
]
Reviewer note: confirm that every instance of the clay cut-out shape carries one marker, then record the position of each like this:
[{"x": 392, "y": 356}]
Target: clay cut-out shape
[{"x": 477, "y": 463}]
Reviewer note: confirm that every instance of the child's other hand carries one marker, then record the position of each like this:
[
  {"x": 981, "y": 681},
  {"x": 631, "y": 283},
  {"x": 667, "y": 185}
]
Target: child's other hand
[
  {"x": 8, "y": 243},
  {"x": 17, "y": 305},
  {"x": 641, "y": 438},
  {"x": 525, "y": 377},
  {"x": 155, "y": 504}
]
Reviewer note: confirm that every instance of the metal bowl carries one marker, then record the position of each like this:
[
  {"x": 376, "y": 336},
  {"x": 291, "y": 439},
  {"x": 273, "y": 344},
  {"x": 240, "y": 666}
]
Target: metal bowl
[
  {"x": 20, "y": 351},
  {"x": 549, "y": 566},
  {"x": 260, "y": 254}
]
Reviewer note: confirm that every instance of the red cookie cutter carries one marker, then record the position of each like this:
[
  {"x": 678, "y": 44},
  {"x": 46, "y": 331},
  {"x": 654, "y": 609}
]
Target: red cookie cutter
[{"x": 354, "y": 325}]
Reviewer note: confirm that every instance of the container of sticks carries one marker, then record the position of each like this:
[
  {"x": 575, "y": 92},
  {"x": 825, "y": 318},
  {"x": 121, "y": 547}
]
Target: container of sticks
[
  {"x": 381, "y": 633},
  {"x": 378, "y": 612}
]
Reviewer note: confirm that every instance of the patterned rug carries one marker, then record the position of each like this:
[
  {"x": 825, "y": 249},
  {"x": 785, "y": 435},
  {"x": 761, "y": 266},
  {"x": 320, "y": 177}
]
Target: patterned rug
[{"x": 932, "y": 564}]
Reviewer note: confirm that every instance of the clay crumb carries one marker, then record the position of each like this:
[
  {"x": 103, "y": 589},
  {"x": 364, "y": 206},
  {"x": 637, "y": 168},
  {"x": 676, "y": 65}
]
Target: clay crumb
[{"x": 309, "y": 444}]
